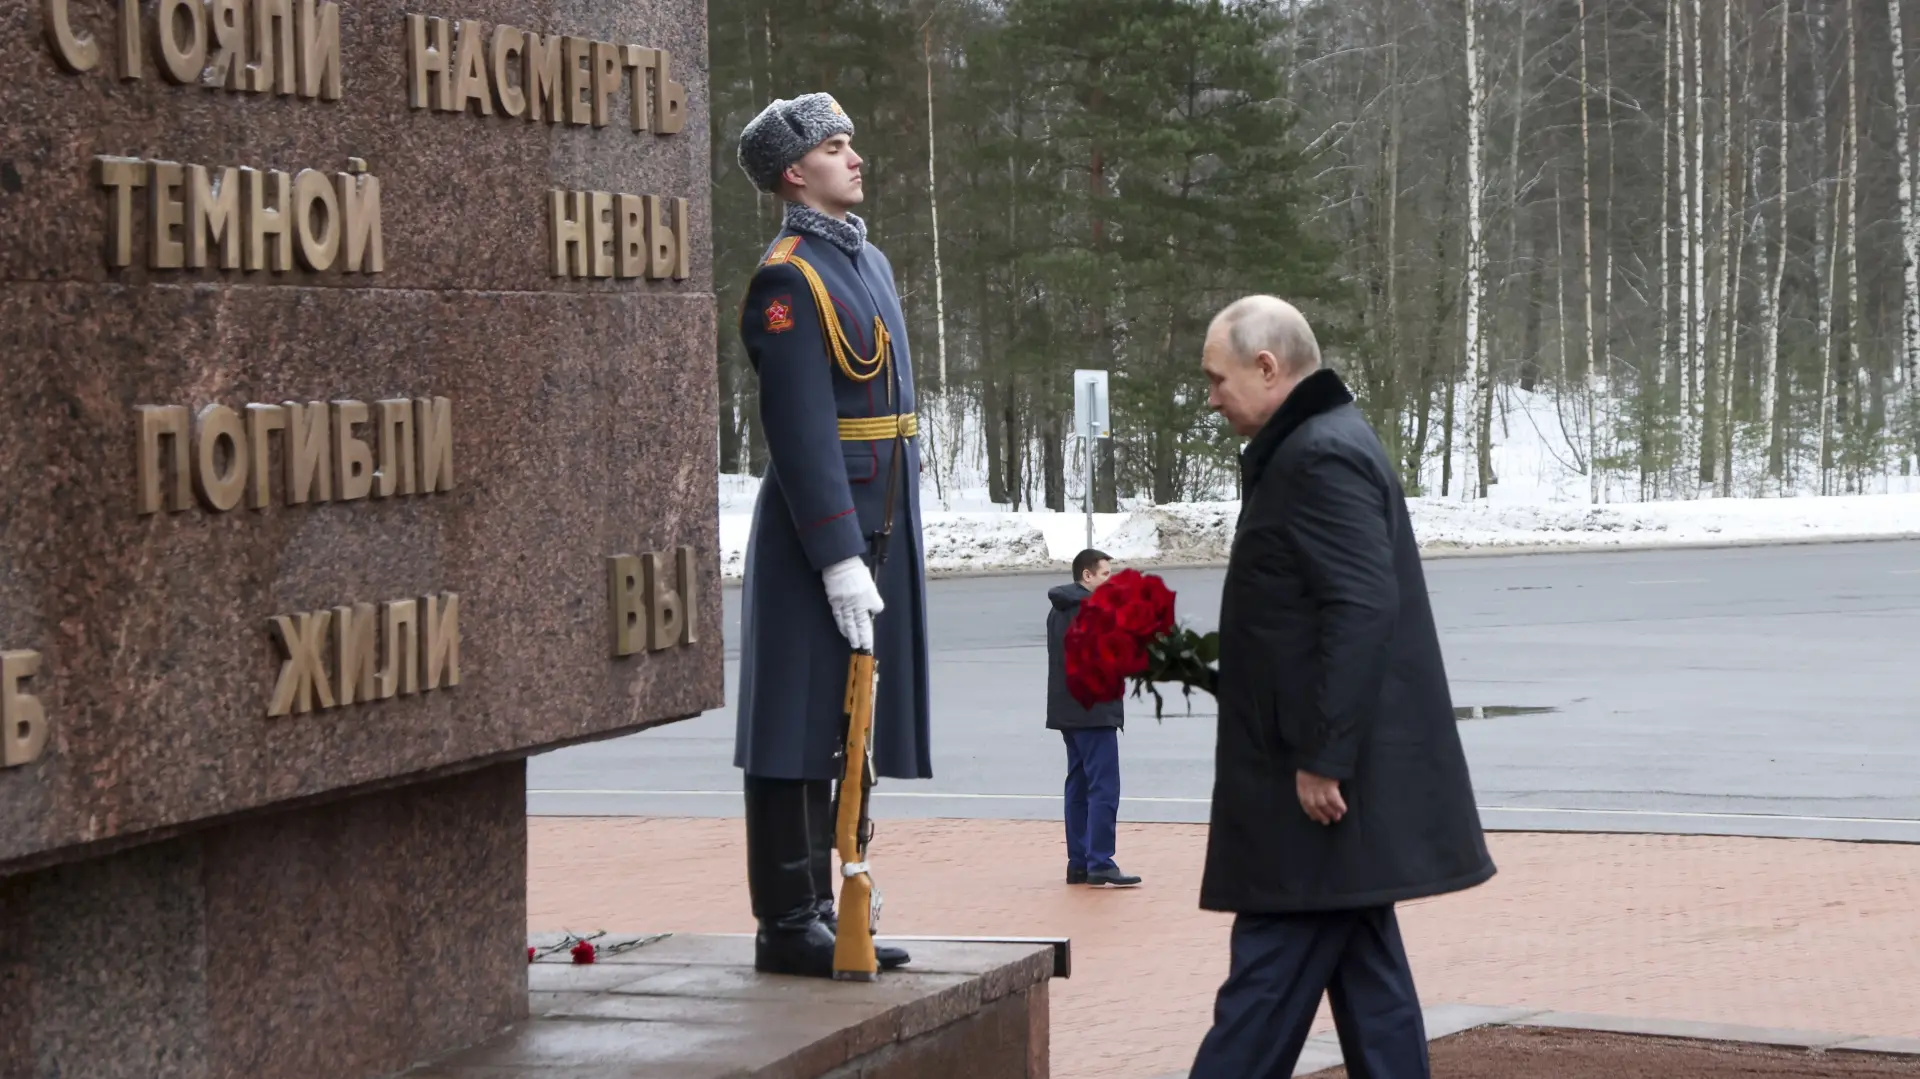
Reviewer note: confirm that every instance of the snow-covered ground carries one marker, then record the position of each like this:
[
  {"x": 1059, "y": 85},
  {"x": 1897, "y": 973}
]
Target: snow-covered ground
[{"x": 1540, "y": 501}]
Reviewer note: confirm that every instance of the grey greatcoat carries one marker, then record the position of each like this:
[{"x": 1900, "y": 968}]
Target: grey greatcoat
[
  {"x": 1330, "y": 663},
  {"x": 823, "y": 495}
]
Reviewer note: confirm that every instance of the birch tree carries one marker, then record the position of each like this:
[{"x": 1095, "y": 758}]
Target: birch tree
[
  {"x": 1586, "y": 240},
  {"x": 1476, "y": 256},
  {"x": 1909, "y": 236},
  {"x": 1770, "y": 379}
]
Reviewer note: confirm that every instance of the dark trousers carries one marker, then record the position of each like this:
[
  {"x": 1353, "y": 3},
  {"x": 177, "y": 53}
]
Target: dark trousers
[
  {"x": 1093, "y": 796},
  {"x": 1282, "y": 963}
]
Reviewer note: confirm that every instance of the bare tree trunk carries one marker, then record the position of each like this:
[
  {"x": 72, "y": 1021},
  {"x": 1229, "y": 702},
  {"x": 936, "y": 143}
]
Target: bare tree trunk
[
  {"x": 1683, "y": 356},
  {"x": 1769, "y": 390},
  {"x": 1735, "y": 280},
  {"x": 1392, "y": 337},
  {"x": 1826, "y": 251},
  {"x": 1607, "y": 238},
  {"x": 1718, "y": 372},
  {"x": 1852, "y": 353},
  {"x": 1586, "y": 242},
  {"x": 1476, "y": 373},
  {"x": 1657, "y": 406},
  {"x": 1910, "y": 241},
  {"x": 933, "y": 202},
  {"x": 1697, "y": 348}
]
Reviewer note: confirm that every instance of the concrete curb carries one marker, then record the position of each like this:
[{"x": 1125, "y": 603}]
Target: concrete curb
[
  {"x": 1322, "y": 1051},
  {"x": 1439, "y": 551}
]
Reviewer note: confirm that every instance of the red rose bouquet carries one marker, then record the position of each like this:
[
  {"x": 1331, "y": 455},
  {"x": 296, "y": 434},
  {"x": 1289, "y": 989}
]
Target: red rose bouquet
[{"x": 1126, "y": 631}]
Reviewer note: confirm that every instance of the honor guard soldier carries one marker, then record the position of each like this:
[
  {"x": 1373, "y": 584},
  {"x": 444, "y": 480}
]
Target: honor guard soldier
[{"x": 824, "y": 331}]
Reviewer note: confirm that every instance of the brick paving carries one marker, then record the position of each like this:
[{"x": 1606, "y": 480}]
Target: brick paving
[{"x": 1804, "y": 934}]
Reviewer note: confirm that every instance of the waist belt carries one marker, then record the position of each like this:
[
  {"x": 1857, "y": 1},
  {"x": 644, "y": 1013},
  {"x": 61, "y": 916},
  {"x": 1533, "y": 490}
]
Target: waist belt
[{"x": 874, "y": 428}]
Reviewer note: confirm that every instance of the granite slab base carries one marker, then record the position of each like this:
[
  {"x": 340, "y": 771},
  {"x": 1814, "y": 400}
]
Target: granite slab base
[{"x": 692, "y": 1007}]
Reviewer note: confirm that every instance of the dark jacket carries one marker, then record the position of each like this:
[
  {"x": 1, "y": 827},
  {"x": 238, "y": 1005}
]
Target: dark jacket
[
  {"x": 1330, "y": 663},
  {"x": 1063, "y": 712}
]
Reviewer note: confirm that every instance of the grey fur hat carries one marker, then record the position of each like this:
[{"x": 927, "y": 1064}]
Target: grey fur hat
[{"x": 787, "y": 131}]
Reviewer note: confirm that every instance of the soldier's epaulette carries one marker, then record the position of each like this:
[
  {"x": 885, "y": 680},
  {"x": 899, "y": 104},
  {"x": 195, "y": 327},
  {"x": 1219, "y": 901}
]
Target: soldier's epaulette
[{"x": 782, "y": 252}]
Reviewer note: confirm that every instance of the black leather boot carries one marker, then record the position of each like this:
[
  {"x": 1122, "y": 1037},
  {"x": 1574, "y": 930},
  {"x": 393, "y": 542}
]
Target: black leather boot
[
  {"x": 820, "y": 816},
  {"x": 791, "y": 939}
]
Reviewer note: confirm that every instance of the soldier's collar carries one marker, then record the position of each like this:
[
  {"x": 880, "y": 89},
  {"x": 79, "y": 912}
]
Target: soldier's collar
[{"x": 849, "y": 236}]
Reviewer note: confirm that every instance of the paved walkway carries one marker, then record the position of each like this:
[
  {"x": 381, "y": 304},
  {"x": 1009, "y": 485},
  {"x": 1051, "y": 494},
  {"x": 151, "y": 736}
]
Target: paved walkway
[{"x": 1789, "y": 933}]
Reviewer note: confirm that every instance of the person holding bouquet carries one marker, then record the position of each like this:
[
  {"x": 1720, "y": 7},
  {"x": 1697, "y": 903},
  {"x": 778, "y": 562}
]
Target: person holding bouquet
[
  {"x": 1340, "y": 786},
  {"x": 1091, "y": 733}
]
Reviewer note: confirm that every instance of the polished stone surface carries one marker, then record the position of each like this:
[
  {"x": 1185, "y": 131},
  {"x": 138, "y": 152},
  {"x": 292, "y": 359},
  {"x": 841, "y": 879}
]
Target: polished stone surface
[
  {"x": 582, "y": 417},
  {"x": 691, "y": 1007},
  {"x": 345, "y": 940}
]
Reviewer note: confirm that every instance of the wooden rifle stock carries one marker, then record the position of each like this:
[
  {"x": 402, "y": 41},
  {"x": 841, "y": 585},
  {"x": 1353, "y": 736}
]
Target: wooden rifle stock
[{"x": 853, "y": 952}]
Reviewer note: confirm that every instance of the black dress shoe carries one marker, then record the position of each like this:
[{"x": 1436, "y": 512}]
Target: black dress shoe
[
  {"x": 1111, "y": 878},
  {"x": 805, "y": 950},
  {"x": 890, "y": 956},
  {"x": 1076, "y": 874}
]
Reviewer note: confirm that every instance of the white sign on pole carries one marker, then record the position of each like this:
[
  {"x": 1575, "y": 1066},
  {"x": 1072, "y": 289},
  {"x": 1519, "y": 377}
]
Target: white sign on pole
[{"x": 1090, "y": 404}]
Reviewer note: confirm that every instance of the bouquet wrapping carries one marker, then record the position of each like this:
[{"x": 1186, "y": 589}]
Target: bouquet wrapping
[{"x": 1126, "y": 632}]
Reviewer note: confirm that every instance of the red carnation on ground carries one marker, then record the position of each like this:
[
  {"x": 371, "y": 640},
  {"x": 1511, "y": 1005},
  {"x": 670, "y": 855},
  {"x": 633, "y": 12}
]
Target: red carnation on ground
[{"x": 583, "y": 952}]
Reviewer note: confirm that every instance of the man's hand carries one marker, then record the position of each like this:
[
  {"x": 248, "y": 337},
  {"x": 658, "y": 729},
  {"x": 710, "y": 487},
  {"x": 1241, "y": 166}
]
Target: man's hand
[
  {"x": 1320, "y": 797},
  {"x": 854, "y": 599}
]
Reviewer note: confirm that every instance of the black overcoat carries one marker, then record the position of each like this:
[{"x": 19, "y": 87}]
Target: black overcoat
[
  {"x": 1330, "y": 663},
  {"x": 1063, "y": 712},
  {"x": 824, "y": 495}
]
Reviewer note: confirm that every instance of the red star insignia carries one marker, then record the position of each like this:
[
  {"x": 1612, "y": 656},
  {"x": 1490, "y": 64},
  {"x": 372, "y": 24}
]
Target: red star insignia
[{"x": 780, "y": 315}]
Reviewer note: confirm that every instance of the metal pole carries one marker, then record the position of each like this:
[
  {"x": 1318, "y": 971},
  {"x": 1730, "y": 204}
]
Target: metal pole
[{"x": 1092, "y": 471}]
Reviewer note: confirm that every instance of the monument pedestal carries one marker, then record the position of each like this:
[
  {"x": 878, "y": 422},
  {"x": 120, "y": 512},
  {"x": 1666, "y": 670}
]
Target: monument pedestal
[
  {"x": 692, "y": 1007},
  {"x": 353, "y": 938}
]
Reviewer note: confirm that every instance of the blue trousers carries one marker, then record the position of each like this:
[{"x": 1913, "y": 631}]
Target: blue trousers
[
  {"x": 1093, "y": 796},
  {"x": 1280, "y": 966}
]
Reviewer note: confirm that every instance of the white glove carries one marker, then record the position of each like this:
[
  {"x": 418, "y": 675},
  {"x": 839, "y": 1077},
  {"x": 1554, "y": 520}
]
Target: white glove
[{"x": 854, "y": 599}]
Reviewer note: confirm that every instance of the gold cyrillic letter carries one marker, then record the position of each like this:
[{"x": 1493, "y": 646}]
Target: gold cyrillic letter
[
  {"x": 181, "y": 63},
  {"x": 319, "y": 245},
  {"x": 682, "y": 241},
  {"x": 579, "y": 80},
  {"x": 229, "y": 66},
  {"x": 354, "y": 652},
  {"x": 273, "y": 52},
  {"x": 158, "y": 422},
  {"x": 623, "y": 604},
  {"x": 430, "y": 63},
  {"x": 23, "y": 721},
  {"x": 639, "y": 63},
  {"x": 77, "y": 52},
  {"x": 545, "y": 82},
  {"x": 689, "y": 597},
  {"x": 669, "y": 97},
  {"x": 213, "y": 212},
  {"x": 261, "y": 420},
  {"x": 440, "y": 640},
  {"x": 606, "y": 79},
  {"x": 308, "y": 456},
  {"x": 433, "y": 424},
  {"x": 470, "y": 70},
  {"x": 352, "y": 457},
  {"x": 402, "y": 672},
  {"x": 661, "y": 252},
  {"x": 509, "y": 42},
  {"x": 570, "y": 211},
  {"x": 220, "y": 489},
  {"x": 360, "y": 220},
  {"x": 302, "y": 676},
  {"x": 630, "y": 235},
  {"x": 121, "y": 175},
  {"x": 166, "y": 212},
  {"x": 663, "y": 604},
  {"x": 319, "y": 49},
  {"x": 600, "y": 232},
  {"x": 397, "y": 475},
  {"x": 264, "y": 221},
  {"x": 130, "y": 65}
]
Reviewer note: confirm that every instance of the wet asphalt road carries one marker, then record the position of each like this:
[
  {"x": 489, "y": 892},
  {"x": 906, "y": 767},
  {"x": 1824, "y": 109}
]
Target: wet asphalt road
[{"x": 1752, "y": 691}]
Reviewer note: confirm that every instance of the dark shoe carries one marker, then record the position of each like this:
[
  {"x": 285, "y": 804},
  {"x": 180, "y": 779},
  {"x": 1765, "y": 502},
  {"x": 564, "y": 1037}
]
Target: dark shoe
[
  {"x": 1076, "y": 874},
  {"x": 805, "y": 949},
  {"x": 791, "y": 938},
  {"x": 1111, "y": 878}
]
